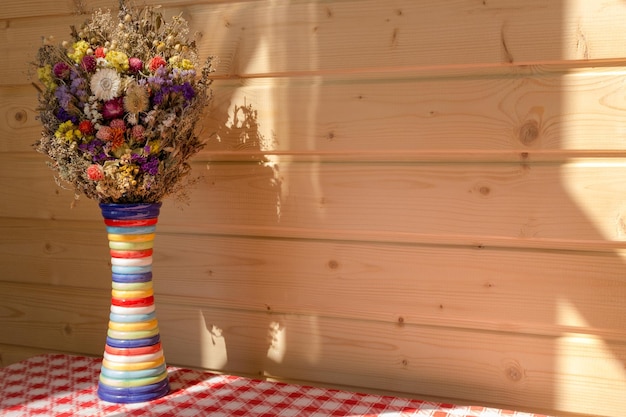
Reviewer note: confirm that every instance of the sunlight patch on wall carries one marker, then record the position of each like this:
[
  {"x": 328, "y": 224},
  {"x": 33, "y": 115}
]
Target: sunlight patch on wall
[
  {"x": 585, "y": 182},
  {"x": 213, "y": 346},
  {"x": 581, "y": 358},
  {"x": 278, "y": 342}
]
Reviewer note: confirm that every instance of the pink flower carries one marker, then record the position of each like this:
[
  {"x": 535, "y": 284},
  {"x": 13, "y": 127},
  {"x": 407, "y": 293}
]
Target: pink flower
[
  {"x": 95, "y": 172},
  {"x": 156, "y": 63},
  {"x": 135, "y": 64},
  {"x": 114, "y": 108},
  {"x": 118, "y": 124},
  {"x": 113, "y": 135},
  {"x": 61, "y": 70},
  {"x": 137, "y": 132},
  {"x": 105, "y": 133}
]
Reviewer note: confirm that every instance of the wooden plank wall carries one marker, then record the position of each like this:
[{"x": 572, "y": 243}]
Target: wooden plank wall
[{"x": 424, "y": 197}]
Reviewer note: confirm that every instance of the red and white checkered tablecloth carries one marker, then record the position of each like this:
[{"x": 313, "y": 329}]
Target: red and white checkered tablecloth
[{"x": 63, "y": 386}]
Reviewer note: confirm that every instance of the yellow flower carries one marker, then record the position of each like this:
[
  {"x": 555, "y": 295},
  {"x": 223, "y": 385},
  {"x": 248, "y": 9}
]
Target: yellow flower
[
  {"x": 68, "y": 131},
  {"x": 155, "y": 146},
  {"x": 45, "y": 76},
  {"x": 118, "y": 60},
  {"x": 79, "y": 49},
  {"x": 182, "y": 63}
]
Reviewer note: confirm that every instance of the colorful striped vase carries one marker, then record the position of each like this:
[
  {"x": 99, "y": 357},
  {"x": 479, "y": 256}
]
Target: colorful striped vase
[{"x": 133, "y": 367}]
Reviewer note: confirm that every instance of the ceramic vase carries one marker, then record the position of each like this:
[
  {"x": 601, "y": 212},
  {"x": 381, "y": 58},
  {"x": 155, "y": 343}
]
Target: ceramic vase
[{"x": 133, "y": 366}]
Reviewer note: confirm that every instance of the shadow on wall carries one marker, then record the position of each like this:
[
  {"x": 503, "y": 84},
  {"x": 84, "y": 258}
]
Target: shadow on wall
[
  {"x": 499, "y": 113},
  {"x": 240, "y": 133}
]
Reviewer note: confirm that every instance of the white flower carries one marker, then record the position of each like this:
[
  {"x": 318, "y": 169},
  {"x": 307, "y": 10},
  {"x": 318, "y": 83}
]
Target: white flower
[
  {"x": 169, "y": 119},
  {"x": 105, "y": 84}
]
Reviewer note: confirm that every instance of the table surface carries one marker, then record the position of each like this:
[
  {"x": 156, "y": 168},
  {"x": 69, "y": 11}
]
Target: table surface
[{"x": 57, "y": 385}]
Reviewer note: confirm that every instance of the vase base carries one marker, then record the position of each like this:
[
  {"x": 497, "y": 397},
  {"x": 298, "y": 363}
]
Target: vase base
[{"x": 133, "y": 394}]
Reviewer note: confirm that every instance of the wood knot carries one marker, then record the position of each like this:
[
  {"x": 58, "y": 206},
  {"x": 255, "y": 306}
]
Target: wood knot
[
  {"x": 482, "y": 190},
  {"x": 333, "y": 264},
  {"x": 21, "y": 116},
  {"x": 529, "y": 132},
  {"x": 47, "y": 247},
  {"x": 514, "y": 371}
]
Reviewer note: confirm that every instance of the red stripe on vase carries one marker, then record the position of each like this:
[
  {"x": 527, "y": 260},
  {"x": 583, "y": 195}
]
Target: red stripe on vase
[
  {"x": 128, "y": 254},
  {"x": 131, "y": 223},
  {"x": 133, "y": 351},
  {"x": 133, "y": 302}
]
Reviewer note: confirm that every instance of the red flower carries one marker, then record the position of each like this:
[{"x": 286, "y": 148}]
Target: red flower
[
  {"x": 86, "y": 127},
  {"x": 156, "y": 63},
  {"x": 99, "y": 52},
  {"x": 95, "y": 172}
]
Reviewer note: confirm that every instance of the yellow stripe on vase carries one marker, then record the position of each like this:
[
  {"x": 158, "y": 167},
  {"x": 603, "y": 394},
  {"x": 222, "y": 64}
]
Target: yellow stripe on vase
[
  {"x": 132, "y": 335},
  {"x": 133, "y": 327},
  {"x": 130, "y": 238},
  {"x": 126, "y": 295},
  {"x": 131, "y": 245},
  {"x": 131, "y": 286}
]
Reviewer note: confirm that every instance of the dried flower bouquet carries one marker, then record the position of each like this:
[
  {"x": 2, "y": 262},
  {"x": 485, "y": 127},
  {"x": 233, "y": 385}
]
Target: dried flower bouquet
[{"x": 119, "y": 105}]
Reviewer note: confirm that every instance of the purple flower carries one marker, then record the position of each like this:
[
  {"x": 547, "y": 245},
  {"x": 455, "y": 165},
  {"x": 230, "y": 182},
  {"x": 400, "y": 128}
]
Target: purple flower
[
  {"x": 137, "y": 159},
  {"x": 148, "y": 164},
  {"x": 184, "y": 91},
  {"x": 157, "y": 80},
  {"x": 92, "y": 147},
  {"x": 101, "y": 157},
  {"x": 151, "y": 166},
  {"x": 188, "y": 91},
  {"x": 64, "y": 116},
  {"x": 78, "y": 88},
  {"x": 63, "y": 96},
  {"x": 158, "y": 97}
]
